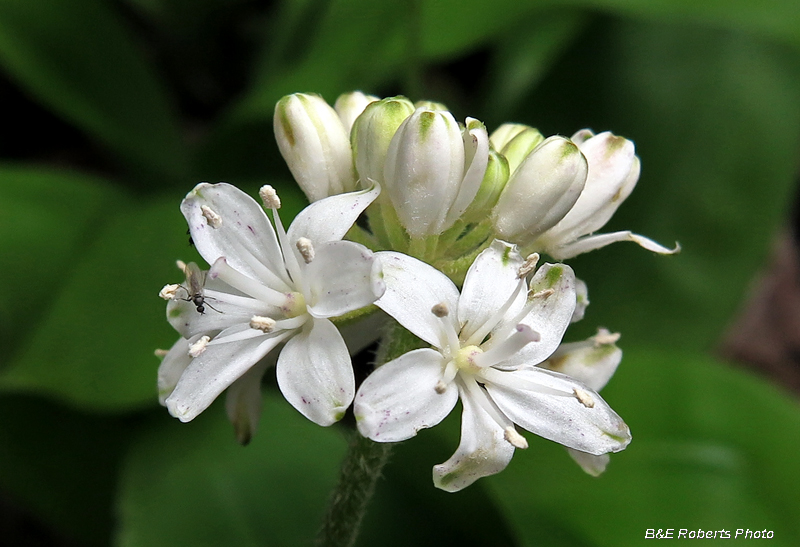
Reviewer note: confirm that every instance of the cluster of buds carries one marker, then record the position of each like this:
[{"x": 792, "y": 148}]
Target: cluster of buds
[
  {"x": 452, "y": 188},
  {"x": 456, "y": 220}
]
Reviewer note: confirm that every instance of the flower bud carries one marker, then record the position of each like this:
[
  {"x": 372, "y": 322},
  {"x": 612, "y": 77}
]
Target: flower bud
[
  {"x": 541, "y": 191},
  {"x": 433, "y": 170},
  {"x": 613, "y": 173},
  {"x": 349, "y": 106},
  {"x": 517, "y": 148},
  {"x": 373, "y": 131},
  {"x": 315, "y": 145}
]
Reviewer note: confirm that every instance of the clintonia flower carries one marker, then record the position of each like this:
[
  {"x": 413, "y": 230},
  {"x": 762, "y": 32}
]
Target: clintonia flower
[
  {"x": 434, "y": 169},
  {"x": 486, "y": 343},
  {"x": 265, "y": 288},
  {"x": 314, "y": 139}
]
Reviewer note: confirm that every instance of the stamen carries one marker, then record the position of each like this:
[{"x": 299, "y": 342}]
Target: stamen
[
  {"x": 239, "y": 281},
  {"x": 528, "y": 266},
  {"x": 440, "y": 310},
  {"x": 542, "y": 294},
  {"x": 584, "y": 397},
  {"x": 161, "y": 352},
  {"x": 449, "y": 374},
  {"x": 477, "y": 337},
  {"x": 521, "y": 337},
  {"x": 169, "y": 292},
  {"x": 514, "y": 438},
  {"x": 306, "y": 249},
  {"x": 479, "y": 396},
  {"x": 199, "y": 347},
  {"x": 214, "y": 220},
  {"x": 182, "y": 267},
  {"x": 264, "y": 324},
  {"x": 269, "y": 197},
  {"x": 510, "y": 380},
  {"x": 605, "y": 337}
]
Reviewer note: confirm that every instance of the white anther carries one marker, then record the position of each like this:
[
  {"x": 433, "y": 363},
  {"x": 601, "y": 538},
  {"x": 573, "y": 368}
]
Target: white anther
[
  {"x": 214, "y": 220},
  {"x": 440, "y": 387},
  {"x": 584, "y": 397},
  {"x": 605, "y": 337},
  {"x": 199, "y": 347},
  {"x": 161, "y": 352},
  {"x": 542, "y": 294},
  {"x": 514, "y": 438},
  {"x": 169, "y": 292},
  {"x": 264, "y": 324},
  {"x": 306, "y": 249},
  {"x": 528, "y": 266},
  {"x": 269, "y": 197},
  {"x": 181, "y": 266},
  {"x": 440, "y": 310}
]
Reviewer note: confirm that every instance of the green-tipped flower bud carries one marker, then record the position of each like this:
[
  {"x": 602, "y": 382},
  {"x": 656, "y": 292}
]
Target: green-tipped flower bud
[
  {"x": 315, "y": 145},
  {"x": 492, "y": 185},
  {"x": 613, "y": 173},
  {"x": 517, "y": 142},
  {"x": 349, "y": 106},
  {"x": 433, "y": 170},
  {"x": 373, "y": 131},
  {"x": 541, "y": 191}
]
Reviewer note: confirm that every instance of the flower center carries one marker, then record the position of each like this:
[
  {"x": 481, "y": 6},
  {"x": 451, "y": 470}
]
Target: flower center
[
  {"x": 465, "y": 359},
  {"x": 295, "y": 305}
]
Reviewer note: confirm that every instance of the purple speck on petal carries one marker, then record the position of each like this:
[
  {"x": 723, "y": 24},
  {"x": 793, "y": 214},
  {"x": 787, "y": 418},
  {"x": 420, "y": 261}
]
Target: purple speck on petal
[{"x": 251, "y": 229}]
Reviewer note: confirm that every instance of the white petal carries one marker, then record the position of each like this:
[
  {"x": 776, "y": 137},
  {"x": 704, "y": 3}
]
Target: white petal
[
  {"x": 549, "y": 314},
  {"x": 588, "y": 362},
  {"x": 244, "y": 236},
  {"x": 591, "y": 464},
  {"x": 315, "y": 373},
  {"x": 214, "y": 370},
  {"x": 490, "y": 282},
  {"x": 243, "y": 401},
  {"x": 476, "y": 150},
  {"x": 593, "y": 242},
  {"x": 412, "y": 289},
  {"x": 343, "y": 277},
  {"x": 329, "y": 219},
  {"x": 400, "y": 397},
  {"x": 172, "y": 366},
  {"x": 581, "y": 300},
  {"x": 483, "y": 450},
  {"x": 589, "y": 426}
]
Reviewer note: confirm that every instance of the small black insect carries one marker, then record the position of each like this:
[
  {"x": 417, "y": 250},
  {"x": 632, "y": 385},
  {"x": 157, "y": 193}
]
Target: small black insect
[
  {"x": 191, "y": 241},
  {"x": 195, "y": 281}
]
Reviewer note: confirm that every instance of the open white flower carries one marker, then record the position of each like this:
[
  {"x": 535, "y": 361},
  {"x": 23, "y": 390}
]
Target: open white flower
[
  {"x": 265, "y": 288},
  {"x": 486, "y": 343}
]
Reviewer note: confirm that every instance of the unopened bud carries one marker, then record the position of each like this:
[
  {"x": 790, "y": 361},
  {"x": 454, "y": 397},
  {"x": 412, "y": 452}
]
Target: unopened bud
[
  {"x": 349, "y": 106},
  {"x": 315, "y": 145},
  {"x": 373, "y": 131}
]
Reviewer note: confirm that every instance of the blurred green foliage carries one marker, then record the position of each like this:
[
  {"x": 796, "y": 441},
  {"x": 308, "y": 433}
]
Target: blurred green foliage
[{"x": 114, "y": 110}]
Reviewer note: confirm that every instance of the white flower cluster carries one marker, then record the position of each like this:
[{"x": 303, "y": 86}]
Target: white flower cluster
[{"x": 443, "y": 204}]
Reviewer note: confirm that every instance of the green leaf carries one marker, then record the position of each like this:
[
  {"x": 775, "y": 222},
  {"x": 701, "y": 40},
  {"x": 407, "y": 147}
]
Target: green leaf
[
  {"x": 716, "y": 122},
  {"x": 79, "y": 60},
  {"x": 47, "y": 218},
  {"x": 94, "y": 344},
  {"x": 191, "y": 484},
  {"x": 713, "y": 448},
  {"x": 61, "y": 466}
]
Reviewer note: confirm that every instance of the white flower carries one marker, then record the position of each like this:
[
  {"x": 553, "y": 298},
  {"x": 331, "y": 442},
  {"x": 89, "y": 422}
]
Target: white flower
[
  {"x": 486, "y": 343},
  {"x": 540, "y": 191},
  {"x": 434, "y": 169},
  {"x": 613, "y": 172},
  {"x": 315, "y": 142},
  {"x": 263, "y": 289}
]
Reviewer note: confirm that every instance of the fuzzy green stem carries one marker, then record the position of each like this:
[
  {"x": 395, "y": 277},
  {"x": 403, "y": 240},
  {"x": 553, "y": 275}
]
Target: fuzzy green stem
[
  {"x": 360, "y": 471},
  {"x": 362, "y": 464}
]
